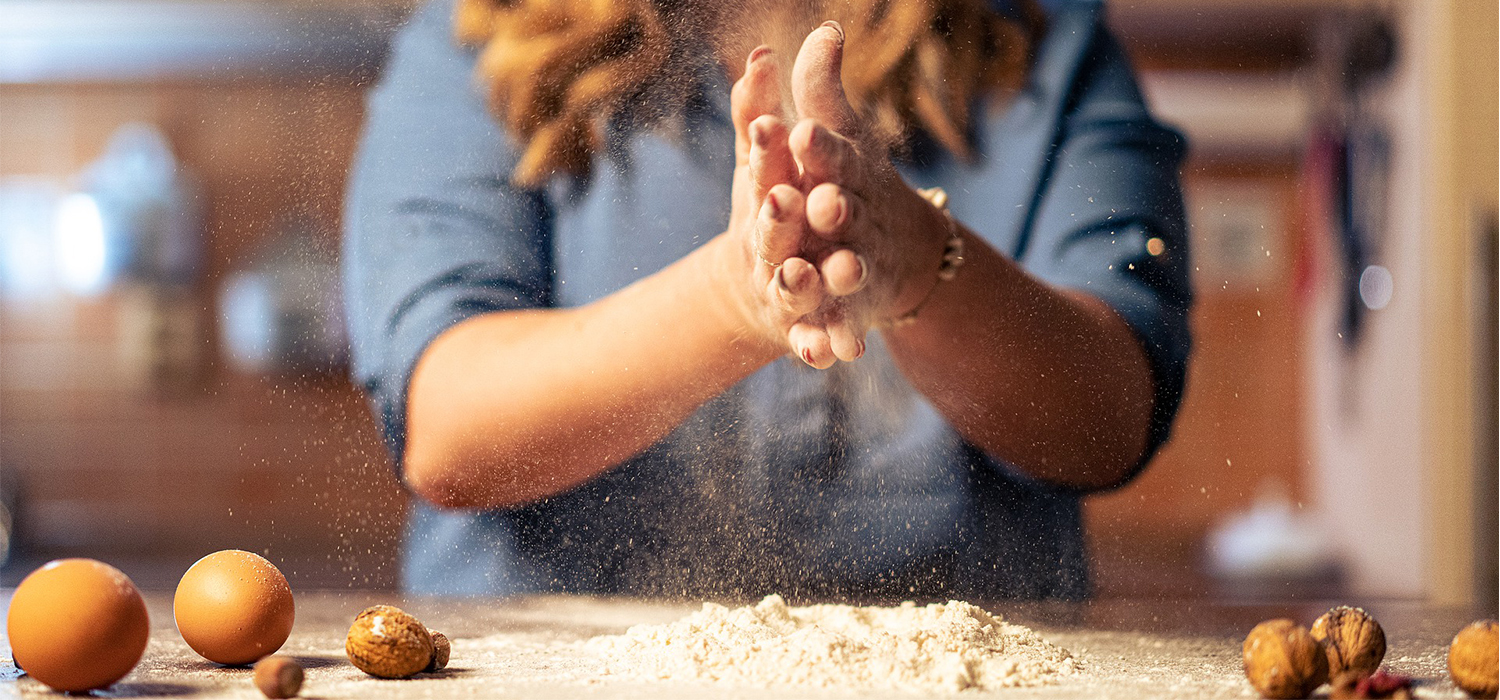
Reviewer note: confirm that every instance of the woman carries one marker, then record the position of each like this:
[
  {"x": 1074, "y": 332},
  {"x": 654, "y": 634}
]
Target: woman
[{"x": 630, "y": 329}]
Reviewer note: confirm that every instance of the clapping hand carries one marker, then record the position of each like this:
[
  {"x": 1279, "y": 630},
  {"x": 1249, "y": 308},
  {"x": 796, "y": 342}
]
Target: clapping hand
[{"x": 837, "y": 241}]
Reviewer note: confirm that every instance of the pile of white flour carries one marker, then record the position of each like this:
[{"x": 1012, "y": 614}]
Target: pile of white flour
[{"x": 950, "y": 647}]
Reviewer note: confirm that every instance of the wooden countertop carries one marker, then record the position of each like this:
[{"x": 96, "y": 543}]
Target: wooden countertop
[{"x": 520, "y": 648}]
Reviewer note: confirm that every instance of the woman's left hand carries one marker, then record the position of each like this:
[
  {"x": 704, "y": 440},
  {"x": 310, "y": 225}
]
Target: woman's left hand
[{"x": 877, "y": 243}]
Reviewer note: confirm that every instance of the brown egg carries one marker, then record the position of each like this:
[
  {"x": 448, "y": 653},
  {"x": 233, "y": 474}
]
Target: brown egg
[
  {"x": 234, "y": 607},
  {"x": 77, "y": 624}
]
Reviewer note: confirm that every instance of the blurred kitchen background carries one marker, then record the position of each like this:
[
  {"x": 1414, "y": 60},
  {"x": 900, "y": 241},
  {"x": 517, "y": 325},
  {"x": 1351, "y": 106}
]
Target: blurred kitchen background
[{"x": 172, "y": 378}]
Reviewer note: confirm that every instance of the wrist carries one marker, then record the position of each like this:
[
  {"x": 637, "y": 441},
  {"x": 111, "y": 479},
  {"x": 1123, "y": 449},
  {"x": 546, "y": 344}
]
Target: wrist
[
  {"x": 937, "y": 254},
  {"x": 728, "y": 266}
]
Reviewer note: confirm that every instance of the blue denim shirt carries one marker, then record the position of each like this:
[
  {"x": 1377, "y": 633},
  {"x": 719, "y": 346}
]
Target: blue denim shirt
[{"x": 844, "y": 481}]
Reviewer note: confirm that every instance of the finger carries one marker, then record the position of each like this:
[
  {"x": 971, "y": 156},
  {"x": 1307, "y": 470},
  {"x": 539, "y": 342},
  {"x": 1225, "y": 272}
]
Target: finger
[
  {"x": 795, "y": 288},
  {"x": 844, "y": 272},
  {"x": 817, "y": 79},
  {"x": 810, "y": 342},
  {"x": 836, "y": 214},
  {"x": 825, "y": 155},
  {"x": 844, "y": 339},
  {"x": 780, "y": 224},
  {"x": 771, "y": 161},
  {"x": 757, "y": 92}
]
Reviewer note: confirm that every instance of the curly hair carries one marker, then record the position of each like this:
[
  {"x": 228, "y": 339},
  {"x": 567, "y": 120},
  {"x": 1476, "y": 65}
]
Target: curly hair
[{"x": 558, "y": 71}]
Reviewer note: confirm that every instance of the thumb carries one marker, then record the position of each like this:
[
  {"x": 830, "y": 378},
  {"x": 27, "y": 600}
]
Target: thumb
[{"x": 817, "y": 79}]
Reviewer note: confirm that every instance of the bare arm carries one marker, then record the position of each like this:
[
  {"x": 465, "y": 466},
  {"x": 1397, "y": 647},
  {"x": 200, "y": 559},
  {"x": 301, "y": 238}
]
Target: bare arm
[
  {"x": 1051, "y": 380},
  {"x": 514, "y": 406}
]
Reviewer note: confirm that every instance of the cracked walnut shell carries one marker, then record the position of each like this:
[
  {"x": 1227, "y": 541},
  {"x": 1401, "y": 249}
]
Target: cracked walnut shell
[
  {"x": 386, "y": 642},
  {"x": 1354, "y": 641},
  {"x": 441, "y": 648},
  {"x": 1282, "y": 660}
]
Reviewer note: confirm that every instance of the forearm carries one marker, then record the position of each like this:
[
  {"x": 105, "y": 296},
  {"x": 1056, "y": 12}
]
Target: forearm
[
  {"x": 1052, "y": 381},
  {"x": 511, "y": 407}
]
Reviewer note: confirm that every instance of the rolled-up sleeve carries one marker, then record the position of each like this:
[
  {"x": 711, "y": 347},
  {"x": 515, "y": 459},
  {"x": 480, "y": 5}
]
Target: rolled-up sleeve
[
  {"x": 433, "y": 231},
  {"x": 1109, "y": 219}
]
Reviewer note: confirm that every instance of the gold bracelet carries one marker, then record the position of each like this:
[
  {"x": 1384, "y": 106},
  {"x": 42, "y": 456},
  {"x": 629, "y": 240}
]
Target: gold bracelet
[{"x": 953, "y": 256}]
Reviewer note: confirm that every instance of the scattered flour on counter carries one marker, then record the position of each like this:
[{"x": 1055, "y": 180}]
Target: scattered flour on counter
[{"x": 954, "y": 646}]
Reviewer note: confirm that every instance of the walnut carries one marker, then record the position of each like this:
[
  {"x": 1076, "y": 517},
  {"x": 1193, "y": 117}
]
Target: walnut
[
  {"x": 1282, "y": 660},
  {"x": 1473, "y": 661},
  {"x": 1354, "y": 641},
  {"x": 386, "y": 642}
]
